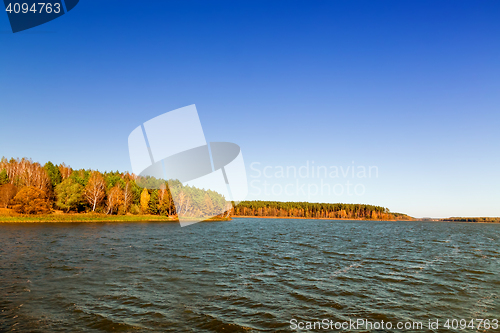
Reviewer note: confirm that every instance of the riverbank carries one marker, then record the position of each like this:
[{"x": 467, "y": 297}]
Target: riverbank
[{"x": 7, "y": 216}]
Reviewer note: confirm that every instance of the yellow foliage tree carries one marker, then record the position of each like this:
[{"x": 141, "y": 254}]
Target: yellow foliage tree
[
  {"x": 145, "y": 201},
  {"x": 31, "y": 200},
  {"x": 115, "y": 199},
  {"x": 7, "y": 192}
]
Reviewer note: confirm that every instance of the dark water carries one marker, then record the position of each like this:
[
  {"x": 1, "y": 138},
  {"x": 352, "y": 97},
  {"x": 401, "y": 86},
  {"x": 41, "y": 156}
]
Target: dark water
[{"x": 244, "y": 275}]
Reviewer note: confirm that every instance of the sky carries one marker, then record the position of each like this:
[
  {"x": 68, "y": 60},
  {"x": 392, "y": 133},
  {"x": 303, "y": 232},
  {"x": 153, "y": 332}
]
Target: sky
[{"x": 410, "y": 89}]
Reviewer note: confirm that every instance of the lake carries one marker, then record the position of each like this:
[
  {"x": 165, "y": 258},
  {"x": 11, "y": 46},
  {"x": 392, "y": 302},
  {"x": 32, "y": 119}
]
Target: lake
[{"x": 245, "y": 275}]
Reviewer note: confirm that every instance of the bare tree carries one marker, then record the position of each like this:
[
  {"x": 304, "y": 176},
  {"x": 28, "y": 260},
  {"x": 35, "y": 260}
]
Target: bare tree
[
  {"x": 65, "y": 171},
  {"x": 25, "y": 172},
  {"x": 115, "y": 198},
  {"x": 95, "y": 189},
  {"x": 183, "y": 203},
  {"x": 127, "y": 195},
  {"x": 228, "y": 208}
]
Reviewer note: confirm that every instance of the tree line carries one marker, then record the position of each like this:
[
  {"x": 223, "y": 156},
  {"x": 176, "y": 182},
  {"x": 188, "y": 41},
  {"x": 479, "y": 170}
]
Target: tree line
[
  {"x": 30, "y": 188},
  {"x": 27, "y": 187},
  {"x": 473, "y": 219},
  {"x": 315, "y": 210}
]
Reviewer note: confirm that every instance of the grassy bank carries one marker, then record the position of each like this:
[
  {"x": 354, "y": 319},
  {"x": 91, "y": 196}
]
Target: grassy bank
[
  {"x": 84, "y": 218},
  {"x": 6, "y": 215}
]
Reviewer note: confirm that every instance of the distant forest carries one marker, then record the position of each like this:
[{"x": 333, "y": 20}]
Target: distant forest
[
  {"x": 27, "y": 187},
  {"x": 473, "y": 219},
  {"x": 315, "y": 210}
]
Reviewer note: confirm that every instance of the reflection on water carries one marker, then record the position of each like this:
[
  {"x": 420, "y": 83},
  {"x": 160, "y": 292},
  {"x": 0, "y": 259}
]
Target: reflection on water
[{"x": 244, "y": 275}]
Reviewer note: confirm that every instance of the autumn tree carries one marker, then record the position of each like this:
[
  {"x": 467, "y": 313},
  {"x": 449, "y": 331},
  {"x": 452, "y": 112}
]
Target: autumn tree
[
  {"x": 114, "y": 199},
  {"x": 145, "y": 201},
  {"x": 10, "y": 168},
  {"x": 64, "y": 170},
  {"x": 127, "y": 195},
  {"x": 7, "y": 193},
  {"x": 69, "y": 195},
  {"x": 95, "y": 190},
  {"x": 31, "y": 200},
  {"x": 29, "y": 173},
  {"x": 165, "y": 202}
]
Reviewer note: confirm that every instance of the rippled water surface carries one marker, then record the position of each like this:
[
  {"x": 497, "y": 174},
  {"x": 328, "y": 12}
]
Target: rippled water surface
[{"x": 243, "y": 275}]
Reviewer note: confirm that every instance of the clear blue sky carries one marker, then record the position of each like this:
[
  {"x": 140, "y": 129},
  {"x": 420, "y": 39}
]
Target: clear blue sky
[{"x": 410, "y": 87}]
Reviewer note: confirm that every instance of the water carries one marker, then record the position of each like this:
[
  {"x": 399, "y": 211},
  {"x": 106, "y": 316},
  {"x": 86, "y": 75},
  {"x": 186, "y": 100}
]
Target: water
[{"x": 244, "y": 275}]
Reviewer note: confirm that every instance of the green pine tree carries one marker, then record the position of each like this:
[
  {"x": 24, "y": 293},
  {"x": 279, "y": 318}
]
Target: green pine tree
[
  {"x": 53, "y": 173},
  {"x": 4, "y": 178}
]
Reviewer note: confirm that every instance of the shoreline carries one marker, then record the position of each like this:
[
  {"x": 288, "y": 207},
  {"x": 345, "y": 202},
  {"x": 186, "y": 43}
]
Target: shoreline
[
  {"x": 339, "y": 219},
  {"x": 311, "y": 218},
  {"x": 92, "y": 218},
  {"x": 102, "y": 218}
]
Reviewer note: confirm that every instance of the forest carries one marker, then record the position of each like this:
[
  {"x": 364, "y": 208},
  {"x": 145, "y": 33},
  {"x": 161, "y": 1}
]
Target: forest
[
  {"x": 315, "y": 210},
  {"x": 27, "y": 187},
  {"x": 473, "y": 219}
]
